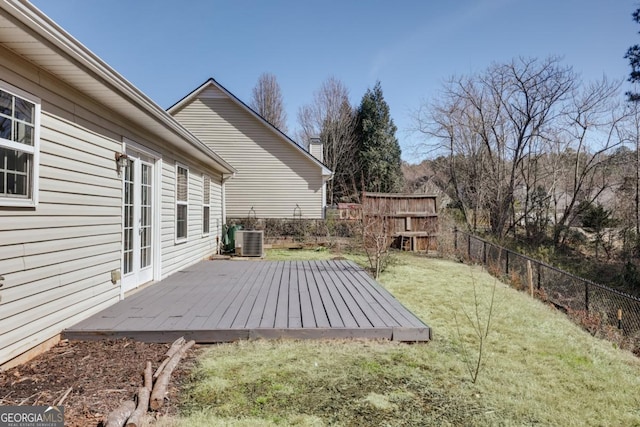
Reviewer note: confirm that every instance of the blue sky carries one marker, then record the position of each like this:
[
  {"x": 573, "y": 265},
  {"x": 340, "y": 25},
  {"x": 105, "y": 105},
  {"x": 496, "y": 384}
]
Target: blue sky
[{"x": 168, "y": 48}]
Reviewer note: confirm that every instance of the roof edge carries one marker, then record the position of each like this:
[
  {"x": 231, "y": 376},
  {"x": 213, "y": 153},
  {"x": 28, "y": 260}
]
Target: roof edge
[{"x": 38, "y": 22}]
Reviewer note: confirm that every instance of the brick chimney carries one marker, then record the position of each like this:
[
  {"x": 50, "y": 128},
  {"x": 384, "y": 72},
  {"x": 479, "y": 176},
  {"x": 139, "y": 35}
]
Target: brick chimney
[{"x": 316, "y": 149}]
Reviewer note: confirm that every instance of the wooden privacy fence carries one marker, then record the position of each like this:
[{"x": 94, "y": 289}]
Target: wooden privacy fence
[
  {"x": 565, "y": 290},
  {"x": 412, "y": 219}
]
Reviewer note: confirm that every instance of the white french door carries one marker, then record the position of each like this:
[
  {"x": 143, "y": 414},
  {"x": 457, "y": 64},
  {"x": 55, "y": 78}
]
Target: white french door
[{"x": 138, "y": 226}]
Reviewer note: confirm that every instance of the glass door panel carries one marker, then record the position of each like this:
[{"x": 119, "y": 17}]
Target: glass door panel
[{"x": 137, "y": 263}]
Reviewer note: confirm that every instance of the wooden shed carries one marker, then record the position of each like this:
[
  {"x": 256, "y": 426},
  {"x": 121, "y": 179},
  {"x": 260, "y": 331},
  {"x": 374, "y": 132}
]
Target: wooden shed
[{"x": 412, "y": 218}]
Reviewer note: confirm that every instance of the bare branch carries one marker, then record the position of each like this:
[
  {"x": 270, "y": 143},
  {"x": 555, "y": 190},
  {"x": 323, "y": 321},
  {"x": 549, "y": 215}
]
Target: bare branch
[{"x": 267, "y": 101}]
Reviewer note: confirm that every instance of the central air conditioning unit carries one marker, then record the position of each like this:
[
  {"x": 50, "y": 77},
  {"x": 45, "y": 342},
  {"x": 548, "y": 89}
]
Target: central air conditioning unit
[{"x": 249, "y": 243}]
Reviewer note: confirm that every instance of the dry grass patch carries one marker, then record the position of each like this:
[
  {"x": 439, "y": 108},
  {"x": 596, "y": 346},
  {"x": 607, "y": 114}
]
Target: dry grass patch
[{"x": 540, "y": 368}]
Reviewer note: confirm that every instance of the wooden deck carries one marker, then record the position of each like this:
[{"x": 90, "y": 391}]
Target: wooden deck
[{"x": 221, "y": 301}]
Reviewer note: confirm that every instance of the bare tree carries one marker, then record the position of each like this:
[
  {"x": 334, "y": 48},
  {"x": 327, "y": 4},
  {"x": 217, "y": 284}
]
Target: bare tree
[
  {"x": 632, "y": 138},
  {"x": 448, "y": 123},
  {"x": 377, "y": 229},
  {"x": 593, "y": 125},
  {"x": 266, "y": 100},
  {"x": 493, "y": 120},
  {"x": 331, "y": 117},
  {"x": 625, "y": 206}
]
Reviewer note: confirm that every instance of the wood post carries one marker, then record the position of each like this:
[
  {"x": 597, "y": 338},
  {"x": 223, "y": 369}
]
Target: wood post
[
  {"x": 455, "y": 239},
  {"x": 530, "y": 277},
  {"x": 586, "y": 296},
  {"x": 619, "y": 318},
  {"x": 506, "y": 262},
  {"x": 484, "y": 253},
  {"x": 539, "y": 275}
]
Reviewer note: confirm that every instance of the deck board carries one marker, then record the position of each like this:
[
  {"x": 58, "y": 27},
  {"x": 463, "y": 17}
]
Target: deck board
[
  {"x": 330, "y": 309},
  {"x": 268, "y": 319},
  {"x": 333, "y": 286},
  {"x": 315, "y": 299},
  {"x": 390, "y": 304},
  {"x": 238, "y": 311},
  {"x": 294, "y": 317},
  {"x": 259, "y": 305},
  {"x": 220, "y": 301}
]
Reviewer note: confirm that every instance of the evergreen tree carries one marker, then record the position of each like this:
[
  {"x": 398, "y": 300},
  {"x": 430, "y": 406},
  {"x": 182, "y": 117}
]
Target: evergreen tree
[
  {"x": 633, "y": 55},
  {"x": 378, "y": 148}
]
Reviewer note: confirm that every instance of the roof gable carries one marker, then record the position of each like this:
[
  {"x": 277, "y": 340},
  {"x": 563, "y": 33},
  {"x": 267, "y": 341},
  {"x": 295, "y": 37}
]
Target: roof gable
[{"x": 211, "y": 89}]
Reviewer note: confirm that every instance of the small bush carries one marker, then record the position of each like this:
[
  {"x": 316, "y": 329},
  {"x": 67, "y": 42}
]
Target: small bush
[
  {"x": 299, "y": 229},
  {"x": 630, "y": 276},
  {"x": 589, "y": 320}
]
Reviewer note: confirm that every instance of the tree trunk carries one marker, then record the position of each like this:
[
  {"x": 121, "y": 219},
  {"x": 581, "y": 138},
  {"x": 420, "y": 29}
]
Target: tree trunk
[
  {"x": 637, "y": 186},
  {"x": 162, "y": 383},
  {"x": 135, "y": 417},
  {"x": 177, "y": 344},
  {"x": 119, "y": 416}
]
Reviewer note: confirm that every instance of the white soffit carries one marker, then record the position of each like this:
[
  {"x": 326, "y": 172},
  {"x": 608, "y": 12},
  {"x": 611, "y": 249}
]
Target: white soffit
[{"x": 31, "y": 34}]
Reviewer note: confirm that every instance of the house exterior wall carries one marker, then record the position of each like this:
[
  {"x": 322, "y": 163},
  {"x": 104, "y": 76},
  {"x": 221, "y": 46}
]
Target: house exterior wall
[
  {"x": 176, "y": 256},
  {"x": 272, "y": 176},
  {"x": 57, "y": 258}
]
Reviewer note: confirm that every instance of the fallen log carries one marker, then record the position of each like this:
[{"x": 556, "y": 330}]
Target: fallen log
[
  {"x": 148, "y": 376},
  {"x": 162, "y": 382},
  {"x": 177, "y": 344},
  {"x": 144, "y": 394},
  {"x": 119, "y": 416},
  {"x": 137, "y": 417}
]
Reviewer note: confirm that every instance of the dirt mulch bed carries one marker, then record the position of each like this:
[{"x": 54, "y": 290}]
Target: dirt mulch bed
[{"x": 100, "y": 374}]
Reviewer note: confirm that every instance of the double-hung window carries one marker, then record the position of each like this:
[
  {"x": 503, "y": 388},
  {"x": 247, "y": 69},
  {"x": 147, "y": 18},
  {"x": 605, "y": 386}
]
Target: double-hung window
[
  {"x": 182, "y": 202},
  {"x": 19, "y": 144},
  {"x": 206, "y": 204}
]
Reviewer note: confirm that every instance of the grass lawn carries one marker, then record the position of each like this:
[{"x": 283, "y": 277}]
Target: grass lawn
[{"x": 539, "y": 368}]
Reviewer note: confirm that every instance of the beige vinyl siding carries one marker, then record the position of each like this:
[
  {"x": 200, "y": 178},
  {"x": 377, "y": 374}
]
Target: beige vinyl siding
[
  {"x": 176, "y": 256},
  {"x": 216, "y": 207},
  {"x": 272, "y": 176},
  {"x": 56, "y": 259}
]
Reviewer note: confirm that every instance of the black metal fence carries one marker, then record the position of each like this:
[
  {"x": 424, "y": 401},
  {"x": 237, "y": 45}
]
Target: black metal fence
[{"x": 565, "y": 290}]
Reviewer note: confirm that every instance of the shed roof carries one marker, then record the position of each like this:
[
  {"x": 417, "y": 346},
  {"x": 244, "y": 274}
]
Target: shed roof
[{"x": 28, "y": 32}]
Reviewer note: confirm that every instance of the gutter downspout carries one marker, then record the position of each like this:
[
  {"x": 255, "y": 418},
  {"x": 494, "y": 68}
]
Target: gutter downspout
[
  {"x": 225, "y": 178},
  {"x": 325, "y": 178}
]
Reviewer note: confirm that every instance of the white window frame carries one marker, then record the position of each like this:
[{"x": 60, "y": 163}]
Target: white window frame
[
  {"x": 131, "y": 147},
  {"x": 33, "y": 150},
  {"x": 205, "y": 205},
  {"x": 182, "y": 239}
]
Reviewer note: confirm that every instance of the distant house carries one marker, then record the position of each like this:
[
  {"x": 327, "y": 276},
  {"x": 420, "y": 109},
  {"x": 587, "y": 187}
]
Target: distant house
[
  {"x": 101, "y": 190},
  {"x": 276, "y": 178}
]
